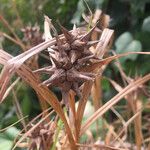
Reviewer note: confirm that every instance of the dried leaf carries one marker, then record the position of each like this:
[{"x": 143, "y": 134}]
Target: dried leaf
[{"x": 132, "y": 86}]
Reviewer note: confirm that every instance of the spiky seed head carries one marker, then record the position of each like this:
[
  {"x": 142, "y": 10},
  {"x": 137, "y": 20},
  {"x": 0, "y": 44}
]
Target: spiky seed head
[{"x": 68, "y": 58}]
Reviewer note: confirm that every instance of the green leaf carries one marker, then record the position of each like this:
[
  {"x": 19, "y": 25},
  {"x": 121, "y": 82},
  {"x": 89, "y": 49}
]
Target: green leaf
[
  {"x": 26, "y": 105},
  {"x": 105, "y": 84},
  {"x": 122, "y": 41},
  {"x": 134, "y": 46},
  {"x": 146, "y": 24},
  {"x": 12, "y": 132},
  {"x": 7, "y": 138},
  {"x": 125, "y": 43},
  {"x": 5, "y": 144},
  {"x": 77, "y": 16}
]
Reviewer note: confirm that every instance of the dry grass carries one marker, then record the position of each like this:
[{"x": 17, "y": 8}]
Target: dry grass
[{"x": 74, "y": 128}]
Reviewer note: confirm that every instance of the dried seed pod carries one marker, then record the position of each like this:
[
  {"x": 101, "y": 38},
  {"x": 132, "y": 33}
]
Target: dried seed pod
[
  {"x": 32, "y": 35},
  {"x": 68, "y": 58},
  {"x": 42, "y": 136}
]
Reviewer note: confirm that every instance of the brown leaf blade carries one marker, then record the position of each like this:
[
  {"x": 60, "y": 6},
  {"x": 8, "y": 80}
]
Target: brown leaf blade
[{"x": 132, "y": 86}]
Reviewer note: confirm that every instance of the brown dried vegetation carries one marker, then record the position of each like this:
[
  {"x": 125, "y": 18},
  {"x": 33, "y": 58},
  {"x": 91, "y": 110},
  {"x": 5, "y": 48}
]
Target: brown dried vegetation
[{"x": 78, "y": 59}]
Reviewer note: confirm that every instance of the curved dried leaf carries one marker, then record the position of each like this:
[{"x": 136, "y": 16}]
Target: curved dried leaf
[{"x": 131, "y": 87}]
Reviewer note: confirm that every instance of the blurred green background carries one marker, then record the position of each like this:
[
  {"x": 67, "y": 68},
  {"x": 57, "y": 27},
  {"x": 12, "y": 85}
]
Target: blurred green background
[{"x": 129, "y": 18}]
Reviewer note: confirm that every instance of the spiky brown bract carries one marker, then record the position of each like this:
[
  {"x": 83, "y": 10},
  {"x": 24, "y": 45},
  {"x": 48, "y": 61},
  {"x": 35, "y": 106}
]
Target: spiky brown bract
[
  {"x": 68, "y": 57},
  {"x": 42, "y": 136}
]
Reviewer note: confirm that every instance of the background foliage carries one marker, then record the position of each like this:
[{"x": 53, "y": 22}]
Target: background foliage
[{"x": 129, "y": 18}]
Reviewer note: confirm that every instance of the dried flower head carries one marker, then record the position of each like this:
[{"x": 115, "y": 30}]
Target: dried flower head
[
  {"x": 32, "y": 35},
  {"x": 42, "y": 136},
  {"x": 68, "y": 57}
]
